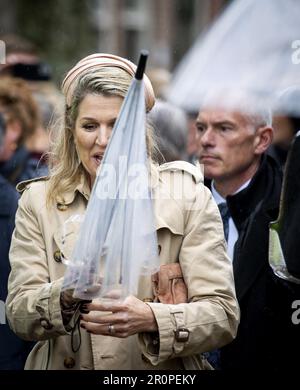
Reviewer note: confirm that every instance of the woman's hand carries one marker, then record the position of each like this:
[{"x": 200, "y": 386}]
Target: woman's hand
[{"x": 125, "y": 318}]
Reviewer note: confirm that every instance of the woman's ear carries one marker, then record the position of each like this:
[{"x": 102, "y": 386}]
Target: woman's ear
[{"x": 263, "y": 139}]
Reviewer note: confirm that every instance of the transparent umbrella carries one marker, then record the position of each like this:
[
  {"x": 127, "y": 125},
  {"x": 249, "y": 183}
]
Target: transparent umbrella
[
  {"x": 117, "y": 239},
  {"x": 253, "y": 48},
  {"x": 284, "y": 243}
]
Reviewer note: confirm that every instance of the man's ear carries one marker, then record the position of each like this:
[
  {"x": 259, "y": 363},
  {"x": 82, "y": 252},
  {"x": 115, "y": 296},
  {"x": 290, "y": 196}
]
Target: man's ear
[{"x": 263, "y": 139}]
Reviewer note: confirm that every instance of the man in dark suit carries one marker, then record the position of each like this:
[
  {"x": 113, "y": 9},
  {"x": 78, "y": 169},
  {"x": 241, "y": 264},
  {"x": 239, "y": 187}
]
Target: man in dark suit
[
  {"x": 13, "y": 351},
  {"x": 246, "y": 185}
]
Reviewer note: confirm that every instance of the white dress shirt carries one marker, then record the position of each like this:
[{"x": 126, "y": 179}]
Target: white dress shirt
[{"x": 233, "y": 234}]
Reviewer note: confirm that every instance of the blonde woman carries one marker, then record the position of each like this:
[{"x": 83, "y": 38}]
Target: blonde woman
[{"x": 138, "y": 333}]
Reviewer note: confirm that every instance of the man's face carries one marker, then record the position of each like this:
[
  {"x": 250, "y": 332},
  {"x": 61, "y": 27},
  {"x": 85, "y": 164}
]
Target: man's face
[{"x": 226, "y": 143}]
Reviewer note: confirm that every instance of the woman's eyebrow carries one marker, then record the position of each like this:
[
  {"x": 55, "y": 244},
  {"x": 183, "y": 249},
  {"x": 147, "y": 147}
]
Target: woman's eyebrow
[{"x": 88, "y": 118}]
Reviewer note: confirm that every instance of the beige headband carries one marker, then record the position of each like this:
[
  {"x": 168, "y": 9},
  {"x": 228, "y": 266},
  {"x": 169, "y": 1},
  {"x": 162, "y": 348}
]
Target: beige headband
[{"x": 99, "y": 60}]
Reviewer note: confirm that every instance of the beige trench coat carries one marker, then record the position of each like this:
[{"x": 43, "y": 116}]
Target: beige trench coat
[{"x": 189, "y": 230}]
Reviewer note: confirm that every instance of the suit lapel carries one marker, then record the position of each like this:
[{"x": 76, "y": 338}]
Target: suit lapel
[{"x": 250, "y": 253}]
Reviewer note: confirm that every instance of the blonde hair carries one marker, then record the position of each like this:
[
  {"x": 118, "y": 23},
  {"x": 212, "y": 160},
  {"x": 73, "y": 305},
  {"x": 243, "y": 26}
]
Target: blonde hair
[{"x": 65, "y": 166}]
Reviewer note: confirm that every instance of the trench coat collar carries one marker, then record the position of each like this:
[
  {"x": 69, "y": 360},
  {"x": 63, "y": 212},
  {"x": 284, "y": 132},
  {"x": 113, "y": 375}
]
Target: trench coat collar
[
  {"x": 162, "y": 203},
  {"x": 163, "y": 219},
  {"x": 82, "y": 188}
]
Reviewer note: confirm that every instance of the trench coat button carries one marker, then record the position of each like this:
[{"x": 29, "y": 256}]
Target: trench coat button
[
  {"x": 155, "y": 341},
  {"x": 62, "y": 206},
  {"x": 69, "y": 362},
  {"x": 57, "y": 256},
  {"x": 45, "y": 323},
  {"x": 182, "y": 335}
]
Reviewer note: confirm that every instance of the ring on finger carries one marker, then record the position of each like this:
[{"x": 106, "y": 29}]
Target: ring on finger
[{"x": 111, "y": 329}]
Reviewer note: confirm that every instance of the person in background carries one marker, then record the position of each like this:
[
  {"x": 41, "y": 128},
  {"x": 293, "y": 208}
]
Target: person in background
[
  {"x": 285, "y": 125},
  {"x": 171, "y": 130},
  {"x": 246, "y": 184},
  {"x": 22, "y": 119},
  {"x": 13, "y": 351},
  {"x": 185, "y": 147},
  {"x": 160, "y": 79},
  {"x": 24, "y": 62},
  {"x": 192, "y": 147},
  {"x": 136, "y": 333}
]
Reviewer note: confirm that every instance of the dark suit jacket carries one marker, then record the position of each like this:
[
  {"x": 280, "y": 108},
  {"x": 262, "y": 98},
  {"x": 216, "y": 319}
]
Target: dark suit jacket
[{"x": 266, "y": 336}]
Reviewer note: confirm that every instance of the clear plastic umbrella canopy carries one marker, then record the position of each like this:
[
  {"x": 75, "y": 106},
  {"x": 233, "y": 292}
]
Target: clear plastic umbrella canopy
[
  {"x": 253, "y": 49},
  {"x": 117, "y": 238},
  {"x": 284, "y": 243}
]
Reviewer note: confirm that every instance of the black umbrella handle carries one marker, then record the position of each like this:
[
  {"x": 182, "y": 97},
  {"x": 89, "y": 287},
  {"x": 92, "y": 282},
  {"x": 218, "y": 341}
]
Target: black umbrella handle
[{"x": 142, "y": 65}]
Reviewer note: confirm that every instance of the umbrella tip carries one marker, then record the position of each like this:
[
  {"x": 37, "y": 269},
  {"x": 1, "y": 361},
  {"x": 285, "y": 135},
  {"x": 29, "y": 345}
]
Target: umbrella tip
[{"x": 141, "y": 65}]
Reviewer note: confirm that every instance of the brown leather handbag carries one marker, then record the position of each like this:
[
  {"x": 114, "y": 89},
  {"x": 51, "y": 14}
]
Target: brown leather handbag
[{"x": 168, "y": 285}]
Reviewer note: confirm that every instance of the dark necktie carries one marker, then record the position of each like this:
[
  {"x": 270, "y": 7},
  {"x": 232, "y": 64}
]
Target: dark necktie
[{"x": 224, "y": 211}]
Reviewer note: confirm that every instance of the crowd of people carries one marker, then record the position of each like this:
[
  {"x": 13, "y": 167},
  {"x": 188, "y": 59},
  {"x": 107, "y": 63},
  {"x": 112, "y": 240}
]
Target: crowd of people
[{"x": 238, "y": 313}]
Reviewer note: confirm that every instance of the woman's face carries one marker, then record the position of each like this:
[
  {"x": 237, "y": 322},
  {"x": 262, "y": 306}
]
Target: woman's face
[{"x": 93, "y": 127}]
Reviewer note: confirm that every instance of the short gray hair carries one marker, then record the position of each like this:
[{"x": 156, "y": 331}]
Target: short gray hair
[
  {"x": 170, "y": 125},
  {"x": 259, "y": 119},
  {"x": 258, "y": 114},
  {"x": 254, "y": 108}
]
